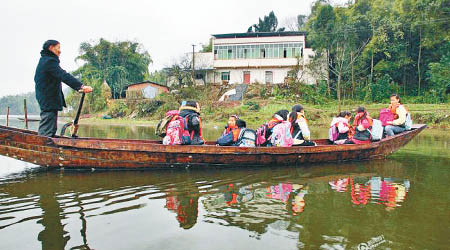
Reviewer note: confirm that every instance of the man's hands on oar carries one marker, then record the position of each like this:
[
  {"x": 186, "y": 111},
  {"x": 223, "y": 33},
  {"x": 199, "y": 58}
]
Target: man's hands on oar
[
  {"x": 86, "y": 89},
  {"x": 74, "y": 125}
]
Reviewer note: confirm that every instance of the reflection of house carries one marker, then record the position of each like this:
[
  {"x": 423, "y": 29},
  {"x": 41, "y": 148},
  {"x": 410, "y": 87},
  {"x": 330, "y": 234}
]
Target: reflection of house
[
  {"x": 263, "y": 57},
  {"x": 147, "y": 90}
]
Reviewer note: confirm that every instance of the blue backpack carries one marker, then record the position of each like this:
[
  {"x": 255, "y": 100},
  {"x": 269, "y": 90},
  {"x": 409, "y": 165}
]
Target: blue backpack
[{"x": 225, "y": 140}]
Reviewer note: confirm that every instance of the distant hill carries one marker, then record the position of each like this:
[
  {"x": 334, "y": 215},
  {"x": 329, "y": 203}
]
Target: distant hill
[{"x": 15, "y": 104}]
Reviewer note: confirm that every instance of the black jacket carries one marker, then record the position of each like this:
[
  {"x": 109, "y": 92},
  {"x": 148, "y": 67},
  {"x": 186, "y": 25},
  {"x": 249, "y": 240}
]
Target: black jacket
[{"x": 48, "y": 79}]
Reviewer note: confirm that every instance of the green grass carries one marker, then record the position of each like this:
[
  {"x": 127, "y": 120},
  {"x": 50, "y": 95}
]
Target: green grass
[{"x": 434, "y": 115}]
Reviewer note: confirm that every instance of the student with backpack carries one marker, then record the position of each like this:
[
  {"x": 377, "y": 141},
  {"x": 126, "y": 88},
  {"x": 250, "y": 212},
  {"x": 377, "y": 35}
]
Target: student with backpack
[
  {"x": 186, "y": 126},
  {"x": 231, "y": 133},
  {"x": 247, "y": 137},
  {"x": 299, "y": 127},
  {"x": 236, "y": 133},
  {"x": 402, "y": 119},
  {"x": 340, "y": 128},
  {"x": 361, "y": 125},
  {"x": 281, "y": 133},
  {"x": 263, "y": 133}
]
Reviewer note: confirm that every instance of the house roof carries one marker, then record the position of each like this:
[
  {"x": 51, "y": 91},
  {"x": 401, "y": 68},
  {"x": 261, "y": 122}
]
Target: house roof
[
  {"x": 260, "y": 34},
  {"x": 148, "y": 82}
]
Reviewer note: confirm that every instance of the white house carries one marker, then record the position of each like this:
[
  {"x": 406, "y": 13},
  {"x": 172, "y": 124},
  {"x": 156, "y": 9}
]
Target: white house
[{"x": 263, "y": 57}]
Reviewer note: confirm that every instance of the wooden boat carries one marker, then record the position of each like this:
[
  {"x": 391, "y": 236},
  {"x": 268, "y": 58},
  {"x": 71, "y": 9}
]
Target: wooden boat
[{"x": 78, "y": 153}]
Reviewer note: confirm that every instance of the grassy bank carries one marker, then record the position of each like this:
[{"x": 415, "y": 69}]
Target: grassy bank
[{"x": 258, "y": 111}]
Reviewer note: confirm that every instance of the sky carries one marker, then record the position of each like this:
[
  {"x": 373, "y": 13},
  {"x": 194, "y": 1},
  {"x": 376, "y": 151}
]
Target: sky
[{"x": 166, "y": 29}]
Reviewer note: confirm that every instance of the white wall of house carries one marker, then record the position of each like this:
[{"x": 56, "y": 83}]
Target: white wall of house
[
  {"x": 253, "y": 40},
  {"x": 279, "y": 66},
  {"x": 256, "y": 75}
]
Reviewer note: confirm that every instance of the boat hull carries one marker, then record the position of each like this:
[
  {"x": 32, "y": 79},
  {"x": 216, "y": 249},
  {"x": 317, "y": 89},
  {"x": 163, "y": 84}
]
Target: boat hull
[{"x": 79, "y": 153}]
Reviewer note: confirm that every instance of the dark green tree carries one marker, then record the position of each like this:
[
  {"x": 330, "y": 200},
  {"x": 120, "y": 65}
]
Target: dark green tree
[
  {"x": 119, "y": 63},
  {"x": 268, "y": 24}
]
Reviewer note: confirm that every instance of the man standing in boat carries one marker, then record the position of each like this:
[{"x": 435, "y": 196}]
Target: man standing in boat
[{"x": 48, "y": 87}]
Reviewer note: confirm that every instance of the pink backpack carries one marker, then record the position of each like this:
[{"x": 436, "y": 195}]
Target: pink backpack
[
  {"x": 281, "y": 136},
  {"x": 261, "y": 135},
  {"x": 333, "y": 132},
  {"x": 174, "y": 132},
  {"x": 385, "y": 116},
  {"x": 177, "y": 132}
]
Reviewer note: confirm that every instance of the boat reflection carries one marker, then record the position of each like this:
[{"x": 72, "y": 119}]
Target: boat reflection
[
  {"x": 387, "y": 191},
  {"x": 291, "y": 194}
]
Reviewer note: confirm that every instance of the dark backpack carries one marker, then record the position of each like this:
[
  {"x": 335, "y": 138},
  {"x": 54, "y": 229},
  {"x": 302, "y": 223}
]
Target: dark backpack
[
  {"x": 225, "y": 140},
  {"x": 189, "y": 138}
]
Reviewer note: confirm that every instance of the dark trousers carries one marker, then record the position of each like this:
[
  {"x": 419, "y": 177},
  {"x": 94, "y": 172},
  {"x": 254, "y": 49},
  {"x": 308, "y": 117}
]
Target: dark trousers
[{"x": 48, "y": 123}]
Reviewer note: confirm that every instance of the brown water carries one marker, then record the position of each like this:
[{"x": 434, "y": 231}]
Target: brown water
[{"x": 398, "y": 203}]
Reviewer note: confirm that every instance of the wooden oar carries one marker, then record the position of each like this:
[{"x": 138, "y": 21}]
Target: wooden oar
[{"x": 74, "y": 125}]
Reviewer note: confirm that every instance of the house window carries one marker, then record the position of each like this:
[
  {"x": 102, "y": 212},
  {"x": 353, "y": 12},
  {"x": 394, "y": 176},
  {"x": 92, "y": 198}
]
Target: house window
[
  {"x": 289, "y": 52},
  {"x": 198, "y": 76},
  {"x": 225, "y": 76},
  {"x": 275, "y": 53},
  {"x": 269, "y": 77}
]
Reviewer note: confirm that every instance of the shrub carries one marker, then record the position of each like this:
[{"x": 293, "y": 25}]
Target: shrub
[
  {"x": 252, "y": 105},
  {"x": 146, "y": 108},
  {"x": 118, "y": 109}
]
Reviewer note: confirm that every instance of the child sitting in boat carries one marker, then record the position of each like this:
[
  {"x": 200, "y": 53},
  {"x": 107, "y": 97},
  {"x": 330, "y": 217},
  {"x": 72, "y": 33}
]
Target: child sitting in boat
[
  {"x": 281, "y": 133},
  {"x": 361, "y": 125},
  {"x": 402, "y": 119},
  {"x": 340, "y": 128},
  {"x": 299, "y": 127},
  {"x": 186, "y": 126},
  {"x": 231, "y": 133},
  {"x": 190, "y": 112},
  {"x": 263, "y": 133}
]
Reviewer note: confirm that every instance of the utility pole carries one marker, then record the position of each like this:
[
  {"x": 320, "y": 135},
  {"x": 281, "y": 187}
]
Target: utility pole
[{"x": 193, "y": 63}]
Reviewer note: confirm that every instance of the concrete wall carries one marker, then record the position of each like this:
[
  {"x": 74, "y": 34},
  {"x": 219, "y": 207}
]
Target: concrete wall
[
  {"x": 254, "y": 40},
  {"x": 256, "y": 75}
]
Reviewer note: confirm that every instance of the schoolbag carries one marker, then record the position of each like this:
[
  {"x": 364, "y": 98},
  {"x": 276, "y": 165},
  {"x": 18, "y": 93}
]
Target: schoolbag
[
  {"x": 377, "y": 130},
  {"x": 225, "y": 140},
  {"x": 247, "y": 138},
  {"x": 408, "y": 122},
  {"x": 178, "y": 132},
  {"x": 174, "y": 130},
  {"x": 261, "y": 135},
  {"x": 281, "y": 136},
  {"x": 333, "y": 132},
  {"x": 385, "y": 116},
  {"x": 161, "y": 128}
]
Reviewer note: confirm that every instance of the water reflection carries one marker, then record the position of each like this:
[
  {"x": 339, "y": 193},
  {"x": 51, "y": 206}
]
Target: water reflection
[
  {"x": 387, "y": 191},
  {"x": 185, "y": 206},
  {"x": 291, "y": 194}
]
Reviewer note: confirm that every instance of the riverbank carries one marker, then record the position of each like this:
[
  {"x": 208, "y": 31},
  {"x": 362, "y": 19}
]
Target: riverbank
[{"x": 256, "y": 112}]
